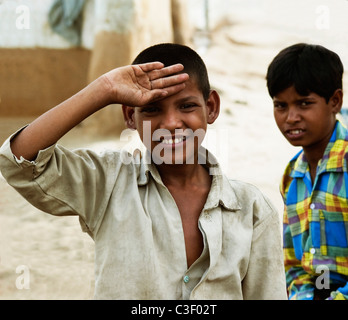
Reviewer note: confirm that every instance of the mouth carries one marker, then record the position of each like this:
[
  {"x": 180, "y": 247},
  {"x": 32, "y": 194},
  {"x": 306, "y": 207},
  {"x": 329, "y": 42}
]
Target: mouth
[
  {"x": 172, "y": 141},
  {"x": 295, "y": 133}
]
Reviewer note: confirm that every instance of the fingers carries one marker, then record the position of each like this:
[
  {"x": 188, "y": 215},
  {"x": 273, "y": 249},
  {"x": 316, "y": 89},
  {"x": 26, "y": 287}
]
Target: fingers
[
  {"x": 165, "y": 72},
  {"x": 156, "y": 70},
  {"x": 165, "y": 83},
  {"x": 158, "y": 94},
  {"x": 162, "y": 81},
  {"x": 174, "y": 89},
  {"x": 147, "y": 67}
]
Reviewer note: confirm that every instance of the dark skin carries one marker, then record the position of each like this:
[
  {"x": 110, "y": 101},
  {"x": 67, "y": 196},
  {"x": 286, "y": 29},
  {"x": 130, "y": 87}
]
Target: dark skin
[
  {"x": 190, "y": 196},
  {"x": 175, "y": 103},
  {"x": 188, "y": 181},
  {"x": 307, "y": 121}
]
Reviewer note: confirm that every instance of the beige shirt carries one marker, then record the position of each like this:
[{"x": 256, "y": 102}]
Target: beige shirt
[{"x": 135, "y": 223}]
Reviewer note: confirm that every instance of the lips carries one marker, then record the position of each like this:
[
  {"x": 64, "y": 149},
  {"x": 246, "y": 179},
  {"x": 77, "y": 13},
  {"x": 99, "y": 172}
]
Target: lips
[
  {"x": 173, "y": 141},
  {"x": 295, "y": 133}
]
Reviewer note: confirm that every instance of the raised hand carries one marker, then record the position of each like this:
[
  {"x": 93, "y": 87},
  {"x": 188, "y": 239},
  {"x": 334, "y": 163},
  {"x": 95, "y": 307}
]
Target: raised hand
[
  {"x": 138, "y": 85},
  {"x": 134, "y": 85}
]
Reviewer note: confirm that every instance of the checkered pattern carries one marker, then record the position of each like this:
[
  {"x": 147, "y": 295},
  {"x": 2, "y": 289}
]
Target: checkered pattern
[{"x": 316, "y": 219}]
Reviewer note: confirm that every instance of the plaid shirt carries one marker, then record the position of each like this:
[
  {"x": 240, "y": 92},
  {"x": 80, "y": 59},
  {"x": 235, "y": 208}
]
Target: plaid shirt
[{"x": 316, "y": 221}]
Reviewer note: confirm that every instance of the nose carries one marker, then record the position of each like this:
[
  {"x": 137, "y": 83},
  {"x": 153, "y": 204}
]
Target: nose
[
  {"x": 171, "y": 120},
  {"x": 293, "y": 115}
]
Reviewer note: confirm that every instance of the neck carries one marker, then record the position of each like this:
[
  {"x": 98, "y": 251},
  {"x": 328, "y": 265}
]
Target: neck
[
  {"x": 316, "y": 151},
  {"x": 313, "y": 157},
  {"x": 183, "y": 175},
  {"x": 314, "y": 154}
]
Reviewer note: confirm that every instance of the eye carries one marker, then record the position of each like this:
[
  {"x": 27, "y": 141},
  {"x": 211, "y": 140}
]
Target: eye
[
  {"x": 150, "y": 110},
  {"x": 305, "y": 103},
  {"x": 279, "y": 105},
  {"x": 188, "y": 106}
]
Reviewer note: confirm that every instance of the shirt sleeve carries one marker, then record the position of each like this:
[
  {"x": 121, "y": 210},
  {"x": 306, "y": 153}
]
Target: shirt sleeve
[
  {"x": 300, "y": 284},
  {"x": 63, "y": 182}
]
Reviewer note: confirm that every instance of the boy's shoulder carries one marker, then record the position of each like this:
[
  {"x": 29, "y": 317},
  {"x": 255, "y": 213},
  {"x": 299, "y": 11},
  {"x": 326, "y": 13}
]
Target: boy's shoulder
[
  {"x": 336, "y": 155},
  {"x": 335, "y": 158},
  {"x": 254, "y": 206},
  {"x": 241, "y": 187},
  {"x": 247, "y": 195}
]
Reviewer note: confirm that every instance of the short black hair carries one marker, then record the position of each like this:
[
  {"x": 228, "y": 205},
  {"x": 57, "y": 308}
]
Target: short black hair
[
  {"x": 171, "y": 53},
  {"x": 307, "y": 67}
]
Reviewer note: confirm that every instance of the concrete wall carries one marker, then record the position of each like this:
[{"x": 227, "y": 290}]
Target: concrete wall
[
  {"x": 123, "y": 29},
  {"x": 35, "y": 80},
  {"x": 39, "y": 68}
]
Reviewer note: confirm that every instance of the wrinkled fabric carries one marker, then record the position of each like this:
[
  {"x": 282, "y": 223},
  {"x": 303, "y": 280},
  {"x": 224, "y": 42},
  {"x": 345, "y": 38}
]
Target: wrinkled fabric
[
  {"x": 65, "y": 18},
  {"x": 316, "y": 220},
  {"x": 139, "y": 241}
]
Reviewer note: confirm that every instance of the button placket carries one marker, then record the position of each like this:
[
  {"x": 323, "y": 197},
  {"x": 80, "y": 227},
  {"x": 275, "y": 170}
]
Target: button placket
[{"x": 314, "y": 218}]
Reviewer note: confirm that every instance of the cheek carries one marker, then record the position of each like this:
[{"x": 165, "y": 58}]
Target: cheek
[
  {"x": 146, "y": 129},
  {"x": 279, "y": 119},
  {"x": 197, "y": 121}
]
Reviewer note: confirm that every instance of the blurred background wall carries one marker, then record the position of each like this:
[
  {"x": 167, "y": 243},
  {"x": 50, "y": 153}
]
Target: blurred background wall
[{"x": 51, "y": 49}]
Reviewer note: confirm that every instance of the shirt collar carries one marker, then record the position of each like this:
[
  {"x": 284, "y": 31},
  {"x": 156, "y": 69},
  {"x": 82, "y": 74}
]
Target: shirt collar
[
  {"x": 221, "y": 193},
  {"x": 333, "y": 159}
]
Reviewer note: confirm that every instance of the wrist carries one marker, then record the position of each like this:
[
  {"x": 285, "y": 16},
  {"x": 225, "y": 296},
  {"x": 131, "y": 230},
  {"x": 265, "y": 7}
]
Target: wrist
[
  {"x": 107, "y": 89},
  {"x": 102, "y": 91}
]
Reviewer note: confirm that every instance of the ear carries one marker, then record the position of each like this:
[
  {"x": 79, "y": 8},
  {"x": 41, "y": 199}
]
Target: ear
[
  {"x": 128, "y": 115},
  {"x": 213, "y": 105},
  {"x": 336, "y": 101}
]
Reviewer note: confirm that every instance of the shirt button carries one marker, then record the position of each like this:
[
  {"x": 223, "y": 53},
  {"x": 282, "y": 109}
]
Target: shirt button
[
  {"x": 186, "y": 279},
  {"x": 312, "y": 251},
  {"x": 312, "y": 206}
]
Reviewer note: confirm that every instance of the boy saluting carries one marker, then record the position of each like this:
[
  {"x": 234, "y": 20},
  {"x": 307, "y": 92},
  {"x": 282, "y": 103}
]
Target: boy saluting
[
  {"x": 305, "y": 82},
  {"x": 171, "y": 228}
]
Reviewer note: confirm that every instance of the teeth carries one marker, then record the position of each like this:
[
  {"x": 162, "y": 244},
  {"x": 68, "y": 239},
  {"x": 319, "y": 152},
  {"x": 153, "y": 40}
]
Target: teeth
[
  {"x": 171, "y": 141},
  {"x": 295, "y": 131}
]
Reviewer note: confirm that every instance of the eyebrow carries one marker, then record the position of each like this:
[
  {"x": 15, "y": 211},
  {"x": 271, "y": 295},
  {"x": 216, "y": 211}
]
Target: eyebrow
[
  {"x": 187, "y": 99},
  {"x": 301, "y": 98},
  {"x": 179, "y": 101}
]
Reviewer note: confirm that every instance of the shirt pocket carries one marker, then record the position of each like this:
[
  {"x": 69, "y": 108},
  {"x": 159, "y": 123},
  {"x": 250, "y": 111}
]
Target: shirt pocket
[{"x": 334, "y": 233}]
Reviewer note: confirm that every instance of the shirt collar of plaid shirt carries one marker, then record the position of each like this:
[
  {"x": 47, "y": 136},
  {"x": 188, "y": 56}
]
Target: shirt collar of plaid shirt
[{"x": 334, "y": 158}]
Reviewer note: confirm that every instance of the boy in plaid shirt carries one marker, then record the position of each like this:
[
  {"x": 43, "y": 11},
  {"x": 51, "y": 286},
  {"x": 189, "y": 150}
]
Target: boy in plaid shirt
[{"x": 305, "y": 83}]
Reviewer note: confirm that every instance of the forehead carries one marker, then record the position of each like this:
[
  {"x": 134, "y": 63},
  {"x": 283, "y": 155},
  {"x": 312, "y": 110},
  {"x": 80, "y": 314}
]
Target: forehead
[
  {"x": 191, "y": 90},
  {"x": 290, "y": 94}
]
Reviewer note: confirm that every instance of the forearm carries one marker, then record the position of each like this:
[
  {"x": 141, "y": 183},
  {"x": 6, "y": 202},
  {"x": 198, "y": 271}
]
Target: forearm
[
  {"x": 55, "y": 123},
  {"x": 131, "y": 85}
]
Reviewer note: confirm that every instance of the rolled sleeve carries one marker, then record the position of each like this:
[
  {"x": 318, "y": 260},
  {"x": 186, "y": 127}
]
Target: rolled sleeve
[
  {"x": 10, "y": 165},
  {"x": 63, "y": 182}
]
